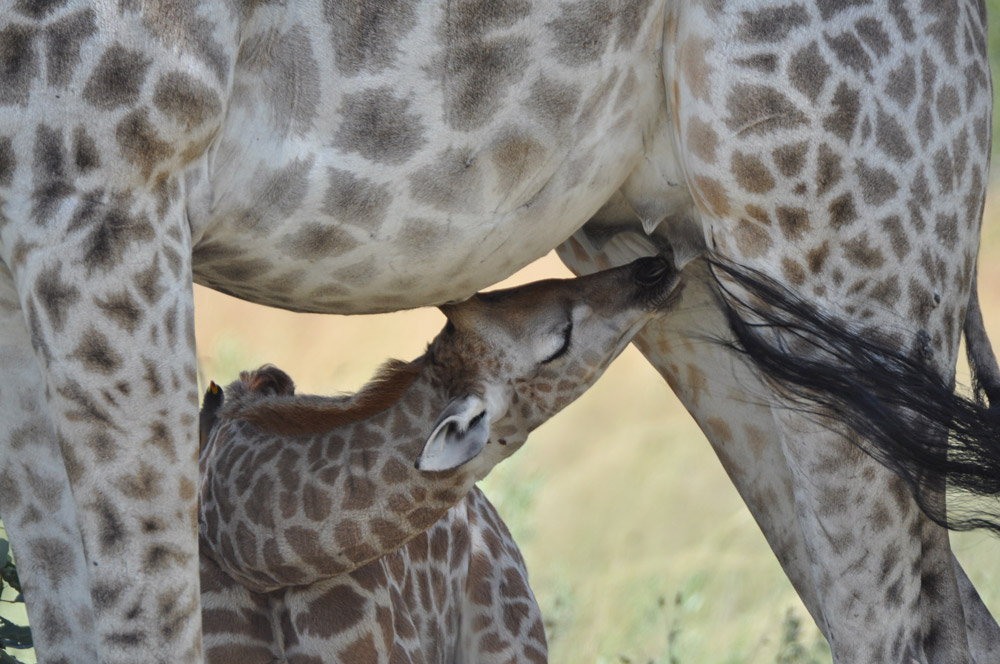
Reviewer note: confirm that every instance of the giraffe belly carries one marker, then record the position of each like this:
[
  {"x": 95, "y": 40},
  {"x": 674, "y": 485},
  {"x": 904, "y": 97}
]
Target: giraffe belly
[{"x": 331, "y": 191}]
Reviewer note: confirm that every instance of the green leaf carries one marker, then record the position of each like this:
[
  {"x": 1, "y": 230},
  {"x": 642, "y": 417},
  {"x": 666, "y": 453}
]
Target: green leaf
[{"x": 4, "y": 551}]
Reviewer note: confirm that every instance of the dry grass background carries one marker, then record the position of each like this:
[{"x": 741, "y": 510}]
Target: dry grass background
[{"x": 639, "y": 548}]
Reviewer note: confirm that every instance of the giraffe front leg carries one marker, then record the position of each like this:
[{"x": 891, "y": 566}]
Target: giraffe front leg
[
  {"x": 108, "y": 309},
  {"x": 35, "y": 500}
]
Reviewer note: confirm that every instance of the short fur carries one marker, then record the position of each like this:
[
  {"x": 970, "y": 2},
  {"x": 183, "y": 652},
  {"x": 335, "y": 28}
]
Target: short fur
[
  {"x": 281, "y": 415},
  {"x": 894, "y": 406}
]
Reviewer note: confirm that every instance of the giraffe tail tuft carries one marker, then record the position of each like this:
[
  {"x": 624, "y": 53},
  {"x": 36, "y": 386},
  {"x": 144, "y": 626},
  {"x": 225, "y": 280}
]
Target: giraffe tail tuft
[{"x": 886, "y": 399}]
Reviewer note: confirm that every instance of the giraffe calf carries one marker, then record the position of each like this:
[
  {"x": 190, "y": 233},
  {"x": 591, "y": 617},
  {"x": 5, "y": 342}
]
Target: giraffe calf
[{"x": 350, "y": 529}]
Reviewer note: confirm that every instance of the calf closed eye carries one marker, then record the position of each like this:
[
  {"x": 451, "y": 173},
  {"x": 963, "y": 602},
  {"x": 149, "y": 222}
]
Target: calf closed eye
[{"x": 567, "y": 334}]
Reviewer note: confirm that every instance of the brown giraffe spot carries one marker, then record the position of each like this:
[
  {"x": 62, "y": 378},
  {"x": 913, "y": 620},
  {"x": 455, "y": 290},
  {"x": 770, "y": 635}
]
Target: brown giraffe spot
[
  {"x": 765, "y": 62},
  {"x": 850, "y": 52},
  {"x": 793, "y": 271},
  {"x": 491, "y": 642},
  {"x": 52, "y": 557},
  {"x": 140, "y": 143},
  {"x": 808, "y": 71},
  {"x": 439, "y": 545},
  {"x": 751, "y": 240},
  {"x": 366, "y": 37},
  {"x": 874, "y": 35},
  {"x": 85, "y": 154},
  {"x": 890, "y": 137},
  {"x": 944, "y": 169},
  {"x": 394, "y": 471},
  {"x": 790, "y": 158},
  {"x": 893, "y": 226},
  {"x": 347, "y": 533},
  {"x": 117, "y": 79},
  {"x": 388, "y": 533},
  {"x": 316, "y": 240},
  {"x": 842, "y": 120},
  {"x": 305, "y": 543},
  {"x": 18, "y": 64},
  {"x": 712, "y": 194},
  {"x": 143, "y": 484},
  {"x": 359, "y": 493},
  {"x": 186, "y": 100},
  {"x": 451, "y": 183},
  {"x": 793, "y": 222},
  {"x": 771, "y": 24},
  {"x": 95, "y": 353},
  {"x": 315, "y": 502},
  {"x": 751, "y": 173},
  {"x": 517, "y": 156},
  {"x": 337, "y": 610},
  {"x": 946, "y": 229},
  {"x": 478, "y": 74},
  {"x": 7, "y": 161},
  {"x": 693, "y": 57},
  {"x": 921, "y": 302},
  {"x": 378, "y": 125},
  {"x": 582, "y": 31},
  {"x": 111, "y": 531},
  {"x": 828, "y": 170},
  {"x": 859, "y": 251},
  {"x": 719, "y": 430},
  {"x": 842, "y": 211},
  {"x": 901, "y": 86},
  {"x": 702, "y": 140},
  {"x": 355, "y": 200},
  {"x": 760, "y": 109},
  {"x": 513, "y": 585},
  {"x": 816, "y": 257},
  {"x": 56, "y": 296},
  {"x": 949, "y": 104},
  {"x": 758, "y": 213},
  {"x": 552, "y": 101},
  {"x": 37, "y": 9},
  {"x": 887, "y": 291}
]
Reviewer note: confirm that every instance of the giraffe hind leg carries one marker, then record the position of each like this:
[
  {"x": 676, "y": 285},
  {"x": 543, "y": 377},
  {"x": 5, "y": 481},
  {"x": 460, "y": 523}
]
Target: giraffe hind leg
[{"x": 897, "y": 405}]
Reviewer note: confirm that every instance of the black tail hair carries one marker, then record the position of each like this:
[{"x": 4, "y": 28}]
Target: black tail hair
[{"x": 901, "y": 412}]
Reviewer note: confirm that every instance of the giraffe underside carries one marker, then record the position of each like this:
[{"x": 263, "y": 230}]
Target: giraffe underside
[{"x": 348, "y": 159}]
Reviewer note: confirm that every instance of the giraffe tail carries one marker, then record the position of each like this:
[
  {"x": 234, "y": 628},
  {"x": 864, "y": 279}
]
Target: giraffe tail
[{"x": 885, "y": 399}]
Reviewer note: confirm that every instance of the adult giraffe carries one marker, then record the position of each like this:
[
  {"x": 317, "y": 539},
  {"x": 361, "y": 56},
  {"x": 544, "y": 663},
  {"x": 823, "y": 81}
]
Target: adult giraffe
[{"x": 352, "y": 157}]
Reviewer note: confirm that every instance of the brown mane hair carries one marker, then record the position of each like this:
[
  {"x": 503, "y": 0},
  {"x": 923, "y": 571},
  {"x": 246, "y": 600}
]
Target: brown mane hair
[{"x": 290, "y": 416}]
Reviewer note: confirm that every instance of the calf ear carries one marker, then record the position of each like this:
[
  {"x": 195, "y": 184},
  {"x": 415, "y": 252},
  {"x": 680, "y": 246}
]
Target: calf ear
[{"x": 459, "y": 434}]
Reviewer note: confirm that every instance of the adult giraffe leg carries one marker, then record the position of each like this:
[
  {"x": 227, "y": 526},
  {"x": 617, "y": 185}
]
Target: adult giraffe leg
[
  {"x": 801, "y": 507},
  {"x": 125, "y": 420},
  {"x": 35, "y": 501},
  {"x": 789, "y": 145}
]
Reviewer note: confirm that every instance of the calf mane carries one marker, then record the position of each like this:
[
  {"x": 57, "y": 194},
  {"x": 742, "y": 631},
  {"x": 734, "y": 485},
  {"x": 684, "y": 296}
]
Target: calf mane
[{"x": 298, "y": 415}]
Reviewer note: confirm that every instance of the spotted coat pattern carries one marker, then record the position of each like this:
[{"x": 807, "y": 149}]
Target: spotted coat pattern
[
  {"x": 321, "y": 539},
  {"x": 348, "y": 157}
]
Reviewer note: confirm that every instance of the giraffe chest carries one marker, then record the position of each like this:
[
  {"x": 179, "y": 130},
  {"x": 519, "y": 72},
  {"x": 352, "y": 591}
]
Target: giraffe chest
[{"x": 355, "y": 177}]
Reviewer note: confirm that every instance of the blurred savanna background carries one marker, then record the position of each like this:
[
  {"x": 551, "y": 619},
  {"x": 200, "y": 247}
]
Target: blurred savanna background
[{"x": 639, "y": 548}]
